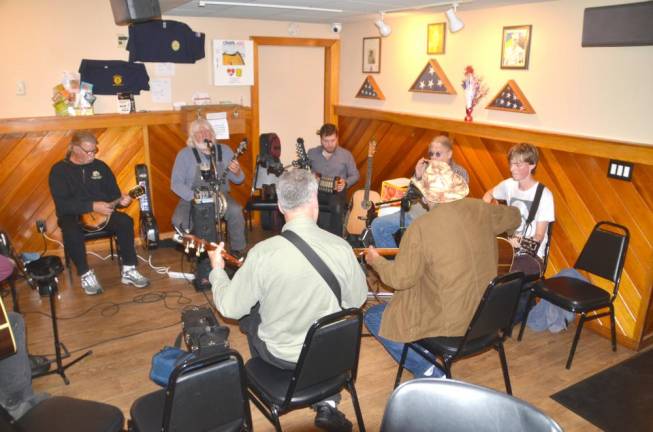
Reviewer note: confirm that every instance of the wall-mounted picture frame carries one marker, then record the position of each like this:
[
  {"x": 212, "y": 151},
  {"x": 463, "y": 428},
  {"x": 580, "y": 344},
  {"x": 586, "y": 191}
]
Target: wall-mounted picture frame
[
  {"x": 436, "y": 35},
  {"x": 516, "y": 47},
  {"x": 372, "y": 55}
]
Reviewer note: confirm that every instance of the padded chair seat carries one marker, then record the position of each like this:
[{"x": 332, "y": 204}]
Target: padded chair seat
[
  {"x": 64, "y": 414},
  {"x": 258, "y": 204},
  {"x": 272, "y": 384},
  {"x": 448, "y": 346},
  {"x": 572, "y": 294},
  {"x": 147, "y": 411},
  {"x": 97, "y": 235}
]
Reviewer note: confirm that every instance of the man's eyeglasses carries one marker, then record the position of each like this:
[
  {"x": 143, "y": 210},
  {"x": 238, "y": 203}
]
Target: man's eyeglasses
[
  {"x": 518, "y": 164},
  {"x": 89, "y": 152},
  {"x": 435, "y": 154}
]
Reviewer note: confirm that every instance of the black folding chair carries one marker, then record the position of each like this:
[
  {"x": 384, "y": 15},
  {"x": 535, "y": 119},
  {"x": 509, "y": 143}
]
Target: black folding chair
[
  {"x": 430, "y": 404},
  {"x": 205, "y": 393},
  {"x": 327, "y": 363},
  {"x": 65, "y": 414},
  {"x": 488, "y": 329},
  {"x": 603, "y": 255}
]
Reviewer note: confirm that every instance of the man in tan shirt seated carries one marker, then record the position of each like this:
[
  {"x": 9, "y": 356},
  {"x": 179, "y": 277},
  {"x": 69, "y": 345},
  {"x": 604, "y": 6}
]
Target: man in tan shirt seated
[{"x": 446, "y": 260}]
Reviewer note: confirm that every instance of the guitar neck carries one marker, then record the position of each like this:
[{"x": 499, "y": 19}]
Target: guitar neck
[
  {"x": 381, "y": 251},
  {"x": 368, "y": 179}
]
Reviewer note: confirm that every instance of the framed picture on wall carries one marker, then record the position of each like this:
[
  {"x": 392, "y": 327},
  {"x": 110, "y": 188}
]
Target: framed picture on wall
[
  {"x": 435, "y": 38},
  {"x": 515, "y": 47},
  {"x": 372, "y": 55}
]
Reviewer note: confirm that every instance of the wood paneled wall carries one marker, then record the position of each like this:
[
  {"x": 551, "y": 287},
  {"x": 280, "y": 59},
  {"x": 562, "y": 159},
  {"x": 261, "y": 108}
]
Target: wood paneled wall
[
  {"x": 575, "y": 169},
  {"x": 29, "y": 148}
]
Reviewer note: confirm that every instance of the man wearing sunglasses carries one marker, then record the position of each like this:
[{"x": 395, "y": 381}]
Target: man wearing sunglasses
[
  {"x": 384, "y": 228},
  {"x": 81, "y": 184}
]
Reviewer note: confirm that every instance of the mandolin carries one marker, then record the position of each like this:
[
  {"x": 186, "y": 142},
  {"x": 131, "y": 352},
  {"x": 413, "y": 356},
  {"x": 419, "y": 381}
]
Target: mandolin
[
  {"x": 199, "y": 245},
  {"x": 381, "y": 251},
  {"x": 94, "y": 221}
]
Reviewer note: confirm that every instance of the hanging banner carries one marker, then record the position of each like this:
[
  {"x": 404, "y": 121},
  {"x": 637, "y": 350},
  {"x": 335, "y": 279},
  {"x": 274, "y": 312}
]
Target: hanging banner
[{"x": 233, "y": 62}]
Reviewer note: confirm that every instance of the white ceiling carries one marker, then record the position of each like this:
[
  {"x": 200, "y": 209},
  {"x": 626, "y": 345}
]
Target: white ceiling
[{"x": 353, "y": 10}]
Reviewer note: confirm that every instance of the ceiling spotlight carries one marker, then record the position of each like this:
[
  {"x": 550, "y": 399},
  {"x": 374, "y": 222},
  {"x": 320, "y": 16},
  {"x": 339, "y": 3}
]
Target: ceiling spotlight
[
  {"x": 384, "y": 29},
  {"x": 455, "y": 23}
]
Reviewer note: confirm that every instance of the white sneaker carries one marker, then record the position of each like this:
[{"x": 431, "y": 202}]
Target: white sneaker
[
  {"x": 90, "y": 283},
  {"x": 131, "y": 276}
]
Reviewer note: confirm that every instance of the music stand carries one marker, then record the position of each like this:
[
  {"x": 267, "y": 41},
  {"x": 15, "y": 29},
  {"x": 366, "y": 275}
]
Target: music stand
[{"x": 44, "y": 271}]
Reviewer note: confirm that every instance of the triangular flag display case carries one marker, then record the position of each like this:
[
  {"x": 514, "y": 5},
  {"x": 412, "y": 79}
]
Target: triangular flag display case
[
  {"x": 432, "y": 80},
  {"x": 370, "y": 90},
  {"x": 512, "y": 99}
]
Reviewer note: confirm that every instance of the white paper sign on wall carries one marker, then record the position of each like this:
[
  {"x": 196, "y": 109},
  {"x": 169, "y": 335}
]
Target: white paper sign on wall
[{"x": 233, "y": 62}]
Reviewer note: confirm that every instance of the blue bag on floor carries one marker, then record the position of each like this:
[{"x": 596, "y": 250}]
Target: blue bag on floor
[{"x": 164, "y": 362}]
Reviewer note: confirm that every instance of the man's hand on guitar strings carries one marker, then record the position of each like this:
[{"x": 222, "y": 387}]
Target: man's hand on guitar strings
[
  {"x": 102, "y": 207},
  {"x": 215, "y": 255}
]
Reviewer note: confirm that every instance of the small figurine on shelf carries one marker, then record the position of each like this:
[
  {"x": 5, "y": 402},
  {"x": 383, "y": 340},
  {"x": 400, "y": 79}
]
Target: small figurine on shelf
[{"x": 475, "y": 90}]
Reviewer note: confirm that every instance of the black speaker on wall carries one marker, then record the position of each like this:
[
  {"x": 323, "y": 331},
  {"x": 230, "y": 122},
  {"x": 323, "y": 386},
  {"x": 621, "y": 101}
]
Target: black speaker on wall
[
  {"x": 629, "y": 24},
  {"x": 129, "y": 11}
]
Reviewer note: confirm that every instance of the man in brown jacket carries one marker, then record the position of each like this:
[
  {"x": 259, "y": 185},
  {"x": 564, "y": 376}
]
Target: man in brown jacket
[{"x": 446, "y": 260}]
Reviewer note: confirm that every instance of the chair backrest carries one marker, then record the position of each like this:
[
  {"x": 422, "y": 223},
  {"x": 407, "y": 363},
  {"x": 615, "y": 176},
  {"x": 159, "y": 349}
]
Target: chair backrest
[
  {"x": 207, "y": 393},
  {"x": 497, "y": 308},
  {"x": 430, "y": 404},
  {"x": 604, "y": 252},
  {"x": 331, "y": 348}
]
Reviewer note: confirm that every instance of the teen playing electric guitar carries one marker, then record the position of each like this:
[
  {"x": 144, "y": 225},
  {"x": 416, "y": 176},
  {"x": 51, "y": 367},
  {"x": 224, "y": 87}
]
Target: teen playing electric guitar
[{"x": 361, "y": 201}]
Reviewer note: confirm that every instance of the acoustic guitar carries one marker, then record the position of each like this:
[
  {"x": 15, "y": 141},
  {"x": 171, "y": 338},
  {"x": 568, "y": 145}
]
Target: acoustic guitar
[
  {"x": 7, "y": 340},
  {"x": 199, "y": 245},
  {"x": 523, "y": 259},
  {"x": 94, "y": 221},
  {"x": 361, "y": 202}
]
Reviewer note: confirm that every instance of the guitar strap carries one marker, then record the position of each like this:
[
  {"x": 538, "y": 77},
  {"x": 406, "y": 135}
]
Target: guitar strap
[
  {"x": 533, "y": 209},
  {"x": 535, "y": 205},
  {"x": 316, "y": 262}
]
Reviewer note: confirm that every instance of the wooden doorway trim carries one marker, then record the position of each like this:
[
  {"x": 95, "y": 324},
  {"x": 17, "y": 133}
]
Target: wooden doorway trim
[{"x": 331, "y": 77}]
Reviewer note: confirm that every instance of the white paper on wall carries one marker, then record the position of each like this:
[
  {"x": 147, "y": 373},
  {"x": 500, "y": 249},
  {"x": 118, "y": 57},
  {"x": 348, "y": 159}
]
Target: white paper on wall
[{"x": 233, "y": 62}]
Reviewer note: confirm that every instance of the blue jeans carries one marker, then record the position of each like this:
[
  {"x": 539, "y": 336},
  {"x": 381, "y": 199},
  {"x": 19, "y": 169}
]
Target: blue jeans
[
  {"x": 384, "y": 227},
  {"x": 415, "y": 363}
]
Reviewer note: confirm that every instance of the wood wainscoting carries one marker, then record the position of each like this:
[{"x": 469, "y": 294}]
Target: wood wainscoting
[
  {"x": 574, "y": 168},
  {"x": 30, "y": 146}
]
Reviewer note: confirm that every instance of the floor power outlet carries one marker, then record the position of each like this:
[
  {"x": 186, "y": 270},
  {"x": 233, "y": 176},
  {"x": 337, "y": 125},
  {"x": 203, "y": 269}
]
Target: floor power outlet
[{"x": 179, "y": 275}]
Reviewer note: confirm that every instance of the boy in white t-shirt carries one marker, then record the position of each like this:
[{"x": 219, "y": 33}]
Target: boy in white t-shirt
[{"x": 519, "y": 191}]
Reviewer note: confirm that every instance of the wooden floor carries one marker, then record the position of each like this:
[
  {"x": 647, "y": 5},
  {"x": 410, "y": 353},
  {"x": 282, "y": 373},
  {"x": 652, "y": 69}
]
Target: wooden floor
[{"x": 125, "y": 326}]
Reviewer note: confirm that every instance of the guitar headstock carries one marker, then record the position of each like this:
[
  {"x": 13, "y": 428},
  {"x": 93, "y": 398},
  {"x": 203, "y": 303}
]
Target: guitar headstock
[
  {"x": 242, "y": 148},
  {"x": 371, "y": 148}
]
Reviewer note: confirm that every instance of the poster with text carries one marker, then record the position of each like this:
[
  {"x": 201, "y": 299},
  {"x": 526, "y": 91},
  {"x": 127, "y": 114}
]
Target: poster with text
[{"x": 233, "y": 62}]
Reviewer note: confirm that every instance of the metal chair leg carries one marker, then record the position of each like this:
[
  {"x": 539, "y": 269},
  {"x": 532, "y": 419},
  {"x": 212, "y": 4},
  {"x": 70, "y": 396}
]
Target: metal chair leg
[
  {"x": 613, "y": 328},
  {"x": 504, "y": 367},
  {"x": 404, "y": 353},
  {"x": 575, "y": 342},
  {"x": 357, "y": 408},
  {"x": 529, "y": 306}
]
